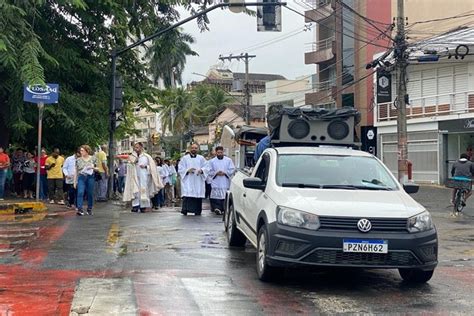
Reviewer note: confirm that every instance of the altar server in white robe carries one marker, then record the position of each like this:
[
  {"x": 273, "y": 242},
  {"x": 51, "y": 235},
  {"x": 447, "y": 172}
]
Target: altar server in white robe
[
  {"x": 193, "y": 169},
  {"x": 142, "y": 181},
  {"x": 221, "y": 170}
]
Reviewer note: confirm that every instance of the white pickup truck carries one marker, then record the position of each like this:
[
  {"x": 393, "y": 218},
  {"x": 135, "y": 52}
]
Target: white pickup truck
[{"x": 329, "y": 206}]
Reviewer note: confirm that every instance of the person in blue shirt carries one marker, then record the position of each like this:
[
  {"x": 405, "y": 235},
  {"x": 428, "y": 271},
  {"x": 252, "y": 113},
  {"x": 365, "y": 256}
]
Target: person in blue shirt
[{"x": 263, "y": 144}]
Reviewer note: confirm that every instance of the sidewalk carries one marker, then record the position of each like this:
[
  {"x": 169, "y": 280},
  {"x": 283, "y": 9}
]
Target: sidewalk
[{"x": 11, "y": 206}]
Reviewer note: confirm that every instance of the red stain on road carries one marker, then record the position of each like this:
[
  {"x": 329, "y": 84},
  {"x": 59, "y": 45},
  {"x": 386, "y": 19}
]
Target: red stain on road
[
  {"x": 30, "y": 291},
  {"x": 35, "y": 292},
  {"x": 37, "y": 251}
]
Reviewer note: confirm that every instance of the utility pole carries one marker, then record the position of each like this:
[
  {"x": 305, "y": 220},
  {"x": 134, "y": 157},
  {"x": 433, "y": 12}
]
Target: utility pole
[
  {"x": 246, "y": 57},
  {"x": 401, "y": 65}
]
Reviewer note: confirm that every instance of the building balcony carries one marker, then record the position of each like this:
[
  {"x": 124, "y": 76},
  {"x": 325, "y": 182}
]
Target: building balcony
[
  {"x": 437, "y": 107},
  {"x": 321, "y": 9},
  {"x": 319, "y": 52},
  {"x": 322, "y": 93}
]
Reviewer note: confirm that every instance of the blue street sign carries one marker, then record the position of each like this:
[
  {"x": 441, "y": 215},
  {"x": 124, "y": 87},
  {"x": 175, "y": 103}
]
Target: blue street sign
[{"x": 40, "y": 94}]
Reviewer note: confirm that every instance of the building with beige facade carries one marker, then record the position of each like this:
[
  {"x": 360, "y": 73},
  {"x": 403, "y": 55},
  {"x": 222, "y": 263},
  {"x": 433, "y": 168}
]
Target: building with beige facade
[
  {"x": 148, "y": 123},
  {"x": 440, "y": 109},
  {"x": 344, "y": 43}
]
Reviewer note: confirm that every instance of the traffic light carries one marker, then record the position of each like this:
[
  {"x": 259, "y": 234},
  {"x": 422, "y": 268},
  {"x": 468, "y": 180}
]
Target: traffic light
[
  {"x": 118, "y": 93},
  {"x": 269, "y": 17}
]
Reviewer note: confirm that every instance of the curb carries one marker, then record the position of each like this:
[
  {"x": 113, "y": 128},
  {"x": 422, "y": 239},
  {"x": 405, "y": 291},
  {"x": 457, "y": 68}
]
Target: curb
[{"x": 12, "y": 208}]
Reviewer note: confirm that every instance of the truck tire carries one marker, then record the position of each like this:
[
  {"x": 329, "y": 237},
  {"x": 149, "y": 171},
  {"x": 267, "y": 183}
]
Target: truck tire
[
  {"x": 415, "y": 275},
  {"x": 265, "y": 272},
  {"x": 235, "y": 238}
]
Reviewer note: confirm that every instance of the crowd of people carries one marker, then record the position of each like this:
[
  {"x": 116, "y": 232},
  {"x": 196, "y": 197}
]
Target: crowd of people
[
  {"x": 81, "y": 178},
  {"x": 59, "y": 178},
  {"x": 154, "y": 183}
]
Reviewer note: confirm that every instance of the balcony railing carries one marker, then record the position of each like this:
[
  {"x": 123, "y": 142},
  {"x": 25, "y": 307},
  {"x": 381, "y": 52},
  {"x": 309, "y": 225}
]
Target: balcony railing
[
  {"x": 321, "y": 86},
  {"x": 436, "y": 105},
  {"x": 315, "y": 3},
  {"x": 320, "y": 45}
]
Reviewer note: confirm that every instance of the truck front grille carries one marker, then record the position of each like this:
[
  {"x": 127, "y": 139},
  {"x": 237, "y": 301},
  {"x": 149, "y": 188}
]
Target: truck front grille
[
  {"x": 338, "y": 257},
  {"x": 350, "y": 224}
]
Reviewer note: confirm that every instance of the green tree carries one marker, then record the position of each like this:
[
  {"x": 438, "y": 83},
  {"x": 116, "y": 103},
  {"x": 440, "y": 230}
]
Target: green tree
[
  {"x": 69, "y": 42},
  {"x": 168, "y": 57}
]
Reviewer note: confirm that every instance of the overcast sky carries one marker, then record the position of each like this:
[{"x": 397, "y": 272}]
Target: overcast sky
[{"x": 237, "y": 33}]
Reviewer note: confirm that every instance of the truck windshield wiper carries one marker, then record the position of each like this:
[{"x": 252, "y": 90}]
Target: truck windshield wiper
[
  {"x": 300, "y": 185},
  {"x": 354, "y": 187},
  {"x": 339, "y": 186}
]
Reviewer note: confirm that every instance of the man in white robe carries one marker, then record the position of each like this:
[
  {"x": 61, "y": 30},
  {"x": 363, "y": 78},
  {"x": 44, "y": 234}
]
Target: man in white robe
[
  {"x": 193, "y": 169},
  {"x": 142, "y": 181},
  {"x": 221, "y": 170}
]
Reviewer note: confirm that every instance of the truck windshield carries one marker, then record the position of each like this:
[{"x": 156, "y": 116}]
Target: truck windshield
[{"x": 333, "y": 172}]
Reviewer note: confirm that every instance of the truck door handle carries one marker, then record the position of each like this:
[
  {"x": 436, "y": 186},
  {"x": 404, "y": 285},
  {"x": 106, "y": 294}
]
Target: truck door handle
[{"x": 245, "y": 195}]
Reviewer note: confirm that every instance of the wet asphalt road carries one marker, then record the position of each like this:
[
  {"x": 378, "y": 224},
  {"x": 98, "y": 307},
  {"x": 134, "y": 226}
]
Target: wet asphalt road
[{"x": 163, "y": 263}]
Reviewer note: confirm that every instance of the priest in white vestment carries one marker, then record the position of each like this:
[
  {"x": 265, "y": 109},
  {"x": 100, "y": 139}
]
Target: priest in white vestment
[
  {"x": 193, "y": 169},
  {"x": 221, "y": 170},
  {"x": 142, "y": 181}
]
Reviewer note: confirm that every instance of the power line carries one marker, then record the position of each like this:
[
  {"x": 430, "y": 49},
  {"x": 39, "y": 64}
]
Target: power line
[
  {"x": 347, "y": 86},
  {"x": 439, "y": 41},
  {"x": 363, "y": 18},
  {"x": 309, "y": 7},
  {"x": 346, "y": 17},
  {"x": 442, "y": 19},
  {"x": 284, "y": 36},
  {"x": 328, "y": 67},
  {"x": 342, "y": 33}
]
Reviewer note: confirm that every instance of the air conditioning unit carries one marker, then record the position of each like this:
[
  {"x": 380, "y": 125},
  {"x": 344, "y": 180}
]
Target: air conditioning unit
[{"x": 316, "y": 131}]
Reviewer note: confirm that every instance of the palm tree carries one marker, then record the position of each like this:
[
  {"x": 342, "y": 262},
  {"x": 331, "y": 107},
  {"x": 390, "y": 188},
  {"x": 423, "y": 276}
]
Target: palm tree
[
  {"x": 168, "y": 57},
  {"x": 217, "y": 99},
  {"x": 208, "y": 101},
  {"x": 176, "y": 110}
]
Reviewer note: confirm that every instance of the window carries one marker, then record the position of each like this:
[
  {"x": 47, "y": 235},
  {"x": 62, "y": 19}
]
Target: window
[
  {"x": 348, "y": 43},
  {"x": 262, "y": 169}
]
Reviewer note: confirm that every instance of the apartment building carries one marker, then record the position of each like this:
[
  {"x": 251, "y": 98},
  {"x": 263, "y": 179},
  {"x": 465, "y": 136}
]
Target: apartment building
[{"x": 234, "y": 82}]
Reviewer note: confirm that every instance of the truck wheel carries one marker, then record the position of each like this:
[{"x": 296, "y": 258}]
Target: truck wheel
[
  {"x": 415, "y": 275},
  {"x": 225, "y": 217},
  {"x": 264, "y": 271},
  {"x": 235, "y": 238}
]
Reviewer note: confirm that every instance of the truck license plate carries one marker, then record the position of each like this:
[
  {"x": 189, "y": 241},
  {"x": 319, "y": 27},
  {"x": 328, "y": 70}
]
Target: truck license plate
[{"x": 365, "y": 246}]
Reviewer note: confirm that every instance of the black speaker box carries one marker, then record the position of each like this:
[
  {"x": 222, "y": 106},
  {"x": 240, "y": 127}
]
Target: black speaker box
[{"x": 317, "y": 131}]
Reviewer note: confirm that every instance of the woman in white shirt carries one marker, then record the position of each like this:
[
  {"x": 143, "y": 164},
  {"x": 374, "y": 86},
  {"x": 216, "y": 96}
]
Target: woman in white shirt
[
  {"x": 84, "y": 179},
  {"x": 28, "y": 176}
]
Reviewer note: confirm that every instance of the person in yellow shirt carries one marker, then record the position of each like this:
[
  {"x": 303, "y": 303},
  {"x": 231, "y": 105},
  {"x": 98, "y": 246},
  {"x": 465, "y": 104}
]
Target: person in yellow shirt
[
  {"x": 53, "y": 166},
  {"x": 103, "y": 171}
]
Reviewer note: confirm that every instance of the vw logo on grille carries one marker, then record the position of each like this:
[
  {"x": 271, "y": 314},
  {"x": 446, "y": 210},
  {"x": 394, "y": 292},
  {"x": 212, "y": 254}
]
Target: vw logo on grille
[{"x": 364, "y": 225}]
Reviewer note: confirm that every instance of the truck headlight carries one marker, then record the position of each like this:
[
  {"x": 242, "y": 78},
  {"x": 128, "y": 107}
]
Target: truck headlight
[
  {"x": 420, "y": 223},
  {"x": 291, "y": 217}
]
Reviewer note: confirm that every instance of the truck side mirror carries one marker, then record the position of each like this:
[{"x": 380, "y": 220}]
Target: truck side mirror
[
  {"x": 254, "y": 183},
  {"x": 411, "y": 188}
]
